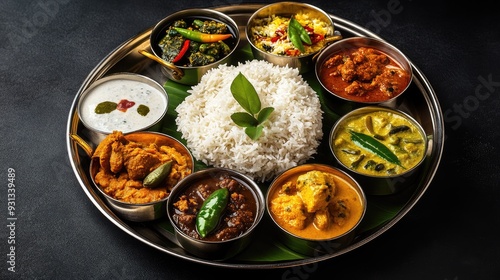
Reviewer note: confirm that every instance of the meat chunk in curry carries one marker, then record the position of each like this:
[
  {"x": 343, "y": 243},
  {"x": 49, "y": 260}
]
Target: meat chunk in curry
[{"x": 315, "y": 188}]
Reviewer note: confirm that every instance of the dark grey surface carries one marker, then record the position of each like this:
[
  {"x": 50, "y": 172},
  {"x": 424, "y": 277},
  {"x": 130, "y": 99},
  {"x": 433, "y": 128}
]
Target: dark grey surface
[{"x": 48, "y": 47}]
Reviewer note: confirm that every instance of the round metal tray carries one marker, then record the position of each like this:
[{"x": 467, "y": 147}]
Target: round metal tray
[{"x": 422, "y": 104}]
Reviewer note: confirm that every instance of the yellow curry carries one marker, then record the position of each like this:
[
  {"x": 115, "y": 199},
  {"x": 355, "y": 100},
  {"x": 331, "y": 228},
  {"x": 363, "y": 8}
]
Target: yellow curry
[
  {"x": 382, "y": 130},
  {"x": 316, "y": 205}
]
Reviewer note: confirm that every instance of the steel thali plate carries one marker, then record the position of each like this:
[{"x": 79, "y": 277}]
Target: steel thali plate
[{"x": 424, "y": 106}]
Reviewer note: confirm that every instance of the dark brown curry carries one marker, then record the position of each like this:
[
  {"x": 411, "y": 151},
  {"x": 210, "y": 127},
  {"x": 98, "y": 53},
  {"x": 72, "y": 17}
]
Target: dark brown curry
[{"x": 238, "y": 216}]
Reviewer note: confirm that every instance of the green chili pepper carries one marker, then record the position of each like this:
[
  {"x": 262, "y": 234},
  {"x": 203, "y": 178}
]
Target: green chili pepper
[
  {"x": 153, "y": 179},
  {"x": 212, "y": 208},
  {"x": 202, "y": 37},
  {"x": 371, "y": 144}
]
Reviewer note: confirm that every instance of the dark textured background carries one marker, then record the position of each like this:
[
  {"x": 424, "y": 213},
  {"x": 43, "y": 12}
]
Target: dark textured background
[{"x": 48, "y": 47}]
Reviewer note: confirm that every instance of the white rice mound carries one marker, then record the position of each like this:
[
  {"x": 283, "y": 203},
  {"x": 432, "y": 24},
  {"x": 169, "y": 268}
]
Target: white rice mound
[{"x": 290, "y": 137}]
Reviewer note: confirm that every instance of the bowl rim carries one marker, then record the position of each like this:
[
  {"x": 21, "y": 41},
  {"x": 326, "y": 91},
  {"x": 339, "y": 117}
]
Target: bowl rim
[
  {"x": 374, "y": 108},
  {"x": 130, "y": 76},
  {"x": 254, "y": 15},
  {"x": 193, "y": 12},
  {"x": 358, "y": 41},
  {"x": 310, "y": 167},
  {"x": 138, "y": 205},
  {"x": 249, "y": 182}
]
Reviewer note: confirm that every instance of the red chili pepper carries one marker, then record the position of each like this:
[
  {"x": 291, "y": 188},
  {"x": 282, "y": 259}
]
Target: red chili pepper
[
  {"x": 280, "y": 32},
  {"x": 316, "y": 38},
  {"x": 278, "y": 35},
  {"x": 309, "y": 29},
  {"x": 292, "y": 52},
  {"x": 182, "y": 52}
]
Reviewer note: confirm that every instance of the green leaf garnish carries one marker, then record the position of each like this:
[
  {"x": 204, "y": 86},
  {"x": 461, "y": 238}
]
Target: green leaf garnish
[
  {"x": 298, "y": 34},
  {"x": 244, "y": 92},
  {"x": 373, "y": 145},
  {"x": 244, "y": 119},
  {"x": 264, "y": 114},
  {"x": 254, "y": 132},
  {"x": 246, "y": 95}
]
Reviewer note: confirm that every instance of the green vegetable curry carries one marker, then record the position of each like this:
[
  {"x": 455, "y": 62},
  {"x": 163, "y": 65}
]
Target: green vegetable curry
[
  {"x": 379, "y": 143},
  {"x": 197, "y": 42}
]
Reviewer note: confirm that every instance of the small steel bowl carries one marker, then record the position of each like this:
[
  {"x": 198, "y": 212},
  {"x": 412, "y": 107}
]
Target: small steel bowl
[
  {"x": 190, "y": 75},
  {"x": 134, "y": 87},
  {"x": 303, "y": 63},
  {"x": 343, "y": 102},
  {"x": 301, "y": 241},
  {"x": 216, "y": 250},
  {"x": 142, "y": 212},
  {"x": 380, "y": 182}
]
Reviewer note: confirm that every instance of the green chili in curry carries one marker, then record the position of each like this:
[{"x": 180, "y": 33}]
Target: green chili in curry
[{"x": 211, "y": 211}]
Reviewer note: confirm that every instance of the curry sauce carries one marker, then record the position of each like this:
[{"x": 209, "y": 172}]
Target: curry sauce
[
  {"x": 316, "y": 205},
  {"x": 389, "y": 129},
  {"x": 124, "y": 162},
  {"x": 364, "y": 75}
]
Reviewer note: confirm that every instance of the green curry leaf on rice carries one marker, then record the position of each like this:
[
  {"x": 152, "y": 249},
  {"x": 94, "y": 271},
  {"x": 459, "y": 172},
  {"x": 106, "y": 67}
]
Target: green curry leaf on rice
[
  {"x": 244, "y": 119},
  {"x": 264, "y": 114},
  {"x": 246, "y": 95},
  {"x": 254, "y": 131}
]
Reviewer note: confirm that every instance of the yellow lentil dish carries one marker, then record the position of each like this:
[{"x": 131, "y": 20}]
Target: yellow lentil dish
[
  {"x": 125, "y": 161},
  {"x": 316, "y": 205},
  {"x": 389, "y": 129}
]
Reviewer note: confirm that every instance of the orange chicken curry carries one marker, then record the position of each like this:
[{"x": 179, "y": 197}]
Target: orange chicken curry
[
  {"x": 125, "y": 162},
  {"x": 316, "y": 205}
]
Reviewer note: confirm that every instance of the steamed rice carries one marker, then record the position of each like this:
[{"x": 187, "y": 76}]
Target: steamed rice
[{"x": 290, "y": 137}]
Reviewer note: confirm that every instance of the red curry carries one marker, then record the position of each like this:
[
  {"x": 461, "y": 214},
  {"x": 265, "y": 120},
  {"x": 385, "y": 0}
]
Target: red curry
[{"x": 363, "y": 74}]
